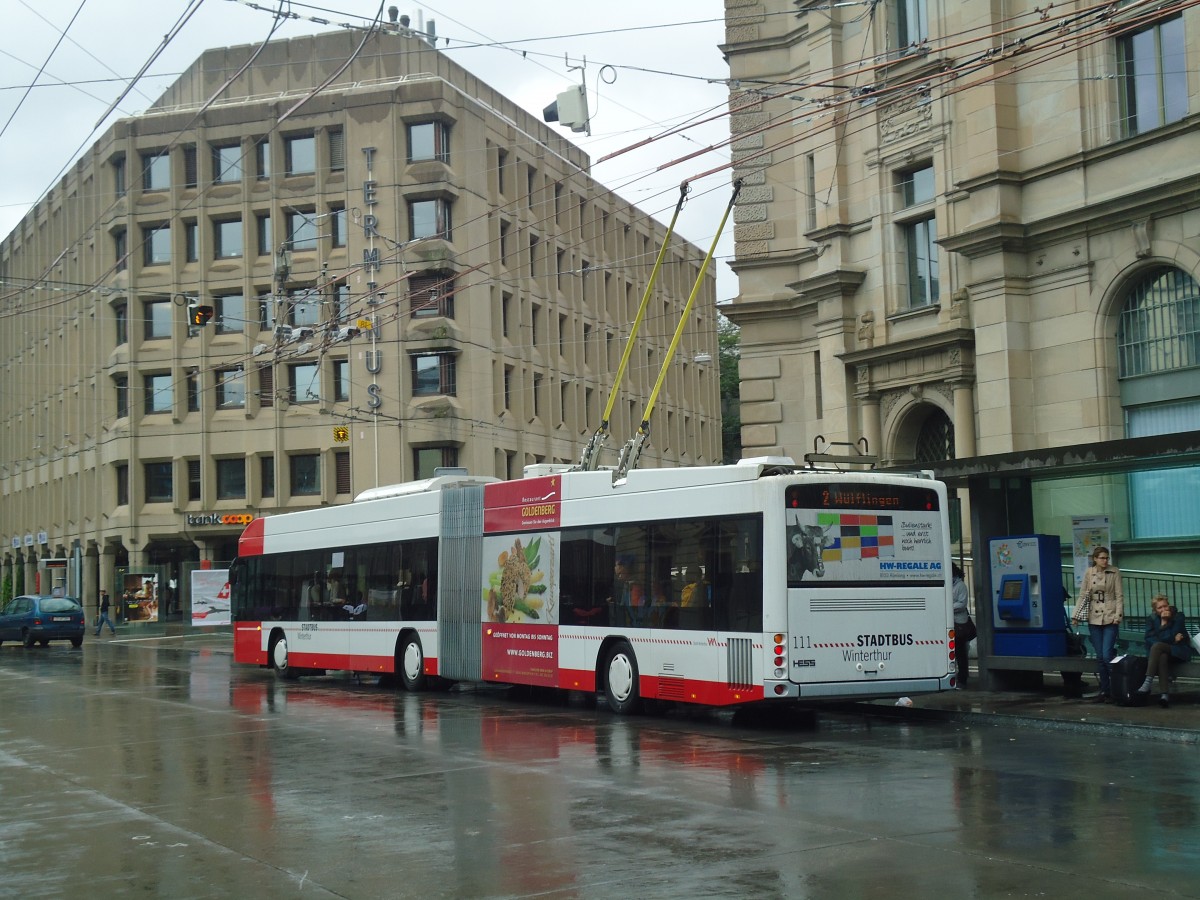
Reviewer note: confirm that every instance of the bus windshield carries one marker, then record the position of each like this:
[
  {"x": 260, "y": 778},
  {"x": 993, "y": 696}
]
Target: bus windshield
[{"x": 863, "y": 534}]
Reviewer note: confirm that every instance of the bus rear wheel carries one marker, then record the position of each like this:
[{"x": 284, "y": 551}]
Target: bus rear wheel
[
  {"x": 621, "y": 680},
  {"x": 279, "y": 660},
  {"x": 412, "y": 664}
]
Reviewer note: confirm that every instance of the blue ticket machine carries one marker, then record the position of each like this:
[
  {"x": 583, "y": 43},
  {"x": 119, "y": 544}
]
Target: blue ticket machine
[{"x": 1027, "y": 596}]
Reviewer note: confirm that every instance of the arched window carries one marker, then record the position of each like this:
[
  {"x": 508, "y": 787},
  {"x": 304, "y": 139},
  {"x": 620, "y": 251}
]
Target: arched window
[
  {"x": 935, "y": 440},
  {"x": 1158, "y": 368}
]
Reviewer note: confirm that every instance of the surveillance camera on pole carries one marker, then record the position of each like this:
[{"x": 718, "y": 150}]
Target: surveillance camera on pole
[{"x": 570, "y": 110}]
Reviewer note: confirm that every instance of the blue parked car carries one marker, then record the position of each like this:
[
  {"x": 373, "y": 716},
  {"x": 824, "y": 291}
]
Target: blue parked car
[{"x": 33, "y": 619}]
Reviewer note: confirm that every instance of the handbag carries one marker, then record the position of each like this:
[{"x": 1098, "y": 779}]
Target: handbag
[
  {"x": 1082, "y": 609},
  {"x": 967, "y": 631},
  {"x": 1196, "y": 642}
]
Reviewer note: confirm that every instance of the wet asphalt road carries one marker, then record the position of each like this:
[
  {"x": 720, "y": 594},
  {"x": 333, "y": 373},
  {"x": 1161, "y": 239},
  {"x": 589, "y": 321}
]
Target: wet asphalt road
[{"x": 159, "y": 769}]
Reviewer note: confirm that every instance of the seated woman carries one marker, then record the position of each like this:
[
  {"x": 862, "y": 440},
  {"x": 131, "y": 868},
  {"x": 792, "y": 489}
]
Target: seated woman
[{"x": 1166, "y": 640}]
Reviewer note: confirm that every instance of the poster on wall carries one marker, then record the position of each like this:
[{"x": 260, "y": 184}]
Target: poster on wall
[
  {"x": 210, "y": 597},
  {"x": 139, "y": 597},
  {"x": 1088, "y": 533}
]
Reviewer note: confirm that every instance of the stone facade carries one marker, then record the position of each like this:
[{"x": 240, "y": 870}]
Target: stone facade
[
  {"x": 1050, "y": 200},
  {"x": 405, "y": 268}
]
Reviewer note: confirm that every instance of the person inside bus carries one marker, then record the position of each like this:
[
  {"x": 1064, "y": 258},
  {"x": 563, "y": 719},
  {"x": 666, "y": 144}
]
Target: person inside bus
[
  {"x": 628, "y": 595},
  {"x": 1167, "y": 642}
]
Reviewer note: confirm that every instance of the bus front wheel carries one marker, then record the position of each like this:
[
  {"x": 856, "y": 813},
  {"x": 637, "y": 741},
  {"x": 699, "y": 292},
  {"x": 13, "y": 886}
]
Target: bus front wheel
[
  {"x": 412, "y": 664},
  {"x": 621, "y": 680},
  {"x": 279, "y": 660}
]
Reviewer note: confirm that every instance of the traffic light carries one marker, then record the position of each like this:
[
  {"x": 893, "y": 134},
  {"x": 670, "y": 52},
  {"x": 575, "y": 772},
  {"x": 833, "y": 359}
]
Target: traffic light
[{"x": 199, "y": 315}]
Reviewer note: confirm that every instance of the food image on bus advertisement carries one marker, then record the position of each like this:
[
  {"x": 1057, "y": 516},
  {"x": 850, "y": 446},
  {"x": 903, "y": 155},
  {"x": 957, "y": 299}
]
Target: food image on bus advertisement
[
  {"x": 521, "y": 589},
  {"x": 520, "y": 609}
]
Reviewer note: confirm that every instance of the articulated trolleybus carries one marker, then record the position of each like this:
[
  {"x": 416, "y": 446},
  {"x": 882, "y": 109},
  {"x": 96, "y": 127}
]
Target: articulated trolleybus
[{"x": 749, "y": 583}]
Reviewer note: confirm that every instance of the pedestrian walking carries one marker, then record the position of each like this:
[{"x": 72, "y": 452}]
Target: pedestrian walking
[{"x": 104, "y": 615}]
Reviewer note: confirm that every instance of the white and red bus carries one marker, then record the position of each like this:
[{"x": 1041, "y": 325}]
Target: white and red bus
[{"x": 710, "y": 585}]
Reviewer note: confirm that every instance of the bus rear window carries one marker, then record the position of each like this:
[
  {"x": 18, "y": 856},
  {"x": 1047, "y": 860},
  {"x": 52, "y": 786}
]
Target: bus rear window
[{"x": 861, "y": 533}]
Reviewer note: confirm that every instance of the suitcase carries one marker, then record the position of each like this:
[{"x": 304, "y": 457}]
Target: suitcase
[{"x": 1126, "y": 676}]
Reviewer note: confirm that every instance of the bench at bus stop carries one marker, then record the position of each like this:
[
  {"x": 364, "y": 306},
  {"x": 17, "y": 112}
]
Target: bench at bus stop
[{"x": 1016, "y": 671}]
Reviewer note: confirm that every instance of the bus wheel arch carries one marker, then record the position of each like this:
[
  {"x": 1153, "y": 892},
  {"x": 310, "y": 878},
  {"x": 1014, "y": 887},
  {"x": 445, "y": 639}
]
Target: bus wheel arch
[
  {"x": 277, "y": 656},
  {"x": 619, "y": 677},
  {"x": 410, "y": 661}
]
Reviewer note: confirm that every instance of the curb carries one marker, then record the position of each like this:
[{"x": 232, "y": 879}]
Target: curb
[{"x": 1037, "y": 723}]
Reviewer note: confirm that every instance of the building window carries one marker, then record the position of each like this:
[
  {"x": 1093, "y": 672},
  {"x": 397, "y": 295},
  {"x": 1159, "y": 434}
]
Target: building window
[
  {"x": 230, "y": 313},
  {"x": 191, "y": 175},
  {"x": 337, "y": 150},
  {"x": 537, "y": 395},
  {"x": 266, "y": 310},
  {"x": 194, "y": 484},
  {"x": 501, "y": 169},
  {"x": 918, "y": 235},
  {"x": 912, "y": 23},
  {"x": 158, "y": 393},
  {"x": 157, "y": 319},
  {"x": 262, "y": 159},
  {"x": 266, "y": 386},
  {"x": 426, "y": 459},
  {"x": 341, "y": 302},
  {"x": 505, "y": 228},
  {"x": 337, "y": 227},
  {"x": 121, "y": 388},
  {"x": 158, "y": 482},
  {"x": 227, "y": 164},
  {"x": 156, "y": 170},
  {"x": 191, "y": 241},
  {"x": 433, "y": 374},
  {"x": 428, "y": 140},
  {"x": 341, "y": 380},
  {"x": 121, "y": 318},
  {"x": 266, "y": 471},
  {"x": 299, "y": 155},
  {"x": 1152, "y": 71},
  {"x": 508, "y": 377},
  {"x": 431, "y": 294},
  {"x": 231, "y": 478},
  {"x": 191, "y": 386},
  {"x": 429, "y": 219},
  {"x": 227, "y": 239},
  {"x": 301, "y": 231},
  {"x": 231, "y": 388},
  {"x": 304, "y": 307},
  {"x": 304, "y": 383},
  {"x": 156, "y": 245},
  {"x": 122, "y": 485},
  {"x": 1158, "y": 371},
  {"x": 262, "y": 234},
  {"x": 120, "y": 186},
  {"x": 121, "y": 250},
  {"x": 305, "y": 474},
  {"x": 506, "y": 302},
  {"x": 341, "y": 468},
  {"x": 935, "y": 440}
]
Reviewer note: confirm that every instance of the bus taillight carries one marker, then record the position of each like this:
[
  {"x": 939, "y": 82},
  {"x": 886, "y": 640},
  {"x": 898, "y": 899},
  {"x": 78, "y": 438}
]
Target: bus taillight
[{"x": 780, "y": 654}]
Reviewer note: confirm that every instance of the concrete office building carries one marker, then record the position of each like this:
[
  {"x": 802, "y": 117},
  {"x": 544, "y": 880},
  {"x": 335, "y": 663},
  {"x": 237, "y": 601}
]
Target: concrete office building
[
  {"x": 405, "y": 270},
  {"x": 971, "y": 229}
]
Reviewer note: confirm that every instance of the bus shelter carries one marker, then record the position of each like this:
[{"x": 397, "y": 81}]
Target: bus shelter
[{"x": 1146, "y": 490}]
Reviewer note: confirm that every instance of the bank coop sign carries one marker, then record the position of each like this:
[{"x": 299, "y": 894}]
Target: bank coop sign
[{"x": 218, "y": 519}]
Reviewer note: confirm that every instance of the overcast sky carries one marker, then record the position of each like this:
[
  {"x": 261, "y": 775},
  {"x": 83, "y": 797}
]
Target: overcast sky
[{"x": 110, "y": 40}]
